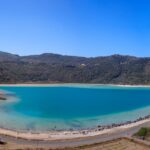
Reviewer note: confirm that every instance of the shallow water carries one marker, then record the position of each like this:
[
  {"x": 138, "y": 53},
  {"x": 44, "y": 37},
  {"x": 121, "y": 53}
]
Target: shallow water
[{"x": 72, "y": 106}]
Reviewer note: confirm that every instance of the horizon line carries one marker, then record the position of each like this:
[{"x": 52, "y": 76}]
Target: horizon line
[{"x": 71, "y": 55}]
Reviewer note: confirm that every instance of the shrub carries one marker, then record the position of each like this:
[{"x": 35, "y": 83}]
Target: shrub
[{"x": 142, "y": 132}]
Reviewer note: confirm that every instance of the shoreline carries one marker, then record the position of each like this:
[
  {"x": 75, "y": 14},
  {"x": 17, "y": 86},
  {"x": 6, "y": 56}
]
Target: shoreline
[
  {"x": 54, "y": 135},
  {"x": 72, "y": 84}
]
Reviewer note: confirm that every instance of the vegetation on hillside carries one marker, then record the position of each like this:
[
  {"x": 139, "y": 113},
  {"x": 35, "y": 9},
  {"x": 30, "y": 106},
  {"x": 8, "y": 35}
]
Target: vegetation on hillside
[{"x": 115, "y": 69}]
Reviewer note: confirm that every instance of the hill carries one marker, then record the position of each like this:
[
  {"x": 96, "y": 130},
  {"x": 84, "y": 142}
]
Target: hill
[{"x": 47, "y": 68}]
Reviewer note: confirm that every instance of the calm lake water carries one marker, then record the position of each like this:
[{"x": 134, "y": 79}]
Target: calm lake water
[{"x": 74, "y": 106}]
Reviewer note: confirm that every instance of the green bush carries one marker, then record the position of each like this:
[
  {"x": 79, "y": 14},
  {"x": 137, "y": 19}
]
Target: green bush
[{"x": 142, "y": 132}]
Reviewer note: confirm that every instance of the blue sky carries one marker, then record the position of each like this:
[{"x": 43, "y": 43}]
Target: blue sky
[{"x": 75, "y": 27}]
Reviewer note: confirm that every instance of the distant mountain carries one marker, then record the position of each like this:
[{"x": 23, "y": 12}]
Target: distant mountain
[
  {"x": 47, "y": 68},
  {"x": 53, "y": 59},
  {"x": 8, "y": 57}
]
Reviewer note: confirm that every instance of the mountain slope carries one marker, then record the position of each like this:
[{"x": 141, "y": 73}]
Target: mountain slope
[{"x": 47, "y": 68}]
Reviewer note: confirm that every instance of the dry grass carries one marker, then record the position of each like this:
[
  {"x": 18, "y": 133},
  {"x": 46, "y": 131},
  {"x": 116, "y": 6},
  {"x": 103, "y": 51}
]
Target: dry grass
[{"x": 119, "y": 144}]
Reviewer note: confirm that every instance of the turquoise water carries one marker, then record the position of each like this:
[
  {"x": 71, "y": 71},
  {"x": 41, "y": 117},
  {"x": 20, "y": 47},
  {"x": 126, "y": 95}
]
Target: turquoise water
[{"x": 72, "y": 107}]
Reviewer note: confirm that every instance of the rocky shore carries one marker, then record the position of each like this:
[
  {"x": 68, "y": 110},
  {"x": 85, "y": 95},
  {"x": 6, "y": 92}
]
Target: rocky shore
[{"x": 100, "y": 128}]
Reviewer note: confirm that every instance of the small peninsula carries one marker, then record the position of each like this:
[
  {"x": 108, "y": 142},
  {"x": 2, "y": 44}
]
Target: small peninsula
[{"x": 3, "y": 96}]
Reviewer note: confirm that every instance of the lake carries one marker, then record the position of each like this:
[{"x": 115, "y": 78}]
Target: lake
[{"x": 64, "y": 107}]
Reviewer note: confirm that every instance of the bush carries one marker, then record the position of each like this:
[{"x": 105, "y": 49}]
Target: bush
[{"x": 142, "y": 132}]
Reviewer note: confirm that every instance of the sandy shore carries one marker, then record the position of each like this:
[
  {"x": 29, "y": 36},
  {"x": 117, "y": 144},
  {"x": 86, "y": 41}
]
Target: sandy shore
[{"x": 63, "y": 135}]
